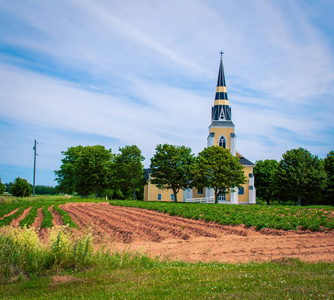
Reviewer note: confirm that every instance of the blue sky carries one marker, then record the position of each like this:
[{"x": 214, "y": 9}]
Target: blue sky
[{"x": 116, "y": 73}]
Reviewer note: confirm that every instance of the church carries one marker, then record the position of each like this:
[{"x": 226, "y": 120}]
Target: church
[{"x": 221, "y": 133}]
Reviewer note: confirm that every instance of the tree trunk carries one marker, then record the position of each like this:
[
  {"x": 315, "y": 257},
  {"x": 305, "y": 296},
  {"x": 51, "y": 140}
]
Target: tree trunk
[
  {"x": 96, "y": 194},
  {"x": 268, "y": 201},
  {"x": 216, "y": 196},
  {"x": 299, "y": 200}
]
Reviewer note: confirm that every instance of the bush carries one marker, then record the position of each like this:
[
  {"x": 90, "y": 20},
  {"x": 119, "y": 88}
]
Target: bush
[{"x": 20, "y": 188}]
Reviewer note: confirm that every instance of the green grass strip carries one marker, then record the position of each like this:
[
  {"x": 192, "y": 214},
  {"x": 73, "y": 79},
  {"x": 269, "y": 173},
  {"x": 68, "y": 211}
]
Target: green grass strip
[
  {"x": 47, "y": 217},
  {"x": 29, "y": 219},
  {"x": 6, "y": 208},
  {"x": 314, "y": 218},
  {"x": 7, "y": 220},
  {"x": 66, "y": 217}
]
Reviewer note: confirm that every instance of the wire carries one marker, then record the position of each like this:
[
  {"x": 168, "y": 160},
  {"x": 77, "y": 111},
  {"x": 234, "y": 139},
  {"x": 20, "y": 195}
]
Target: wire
[
  {"x": 13, "y": 146},
  {"x": 11, "y": 128}
]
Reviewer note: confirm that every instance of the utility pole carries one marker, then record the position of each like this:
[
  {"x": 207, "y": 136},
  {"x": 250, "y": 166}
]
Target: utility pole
[{"x": 35, "y": 149}]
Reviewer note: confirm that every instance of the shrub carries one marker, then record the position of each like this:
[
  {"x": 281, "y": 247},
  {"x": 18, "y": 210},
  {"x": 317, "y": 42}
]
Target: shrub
[{"x": 20, "y": 188}]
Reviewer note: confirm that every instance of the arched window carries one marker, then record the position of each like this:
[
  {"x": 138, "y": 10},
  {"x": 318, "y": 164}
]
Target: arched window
[{"x": 222, "y": 142}]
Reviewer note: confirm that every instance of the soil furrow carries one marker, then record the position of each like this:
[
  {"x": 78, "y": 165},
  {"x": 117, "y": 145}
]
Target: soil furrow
[
  {"x": 122, "y": 228},
  {"x": 38, "y": 221},
  {"x": 57, "y": 220},
  {"x": 16, "y": 222},
  {"x": 175, "y": 227}
]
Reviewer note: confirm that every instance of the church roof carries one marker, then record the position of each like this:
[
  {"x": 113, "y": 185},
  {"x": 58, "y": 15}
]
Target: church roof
[
  {"x": 221, "y": 112},
  {"x": 221, "y": 75},
  {"x": 243, "y": 161}
]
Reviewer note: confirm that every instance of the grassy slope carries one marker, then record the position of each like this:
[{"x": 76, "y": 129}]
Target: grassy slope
[{"x": 177, "y": 280}]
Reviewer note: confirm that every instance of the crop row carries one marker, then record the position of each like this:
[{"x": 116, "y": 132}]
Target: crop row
[
  {"x": 260, "y": 216},
  {"x": 29, "y": 219}
]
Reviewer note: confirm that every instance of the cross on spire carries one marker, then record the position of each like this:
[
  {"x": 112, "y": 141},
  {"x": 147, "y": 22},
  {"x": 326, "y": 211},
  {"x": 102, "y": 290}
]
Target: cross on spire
[{"x": 221, "y": 53}]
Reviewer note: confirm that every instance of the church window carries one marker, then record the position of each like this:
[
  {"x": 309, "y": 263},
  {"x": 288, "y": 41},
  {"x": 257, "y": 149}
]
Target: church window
[
  {"x": 241, "y": 191},
  {"x": 222, "y": 142},
  {"x": 200, "y": 191},
  {"x": 159, "y": 197},
  {"x": 172, "y": 197}
]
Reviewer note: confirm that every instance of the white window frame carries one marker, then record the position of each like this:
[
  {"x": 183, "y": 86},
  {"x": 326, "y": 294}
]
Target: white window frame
[{"x": 224, "y": 141}]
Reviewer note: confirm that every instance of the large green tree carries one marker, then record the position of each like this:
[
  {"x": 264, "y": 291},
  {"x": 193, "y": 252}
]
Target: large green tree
[
  {"x": 300, "y": 176},
  {"x": 66, "y": 176},
  {"x": 86, "y": 170},
  {"x": 130, "y": 169},
  {"x": 20, "y": 188},
  {"x": 2, "y": 187},
  {"x": 263, "y": 172},
  {"x": 329, "y": 168},
  {"x": 171, "y": 168},
  {"x": 215, "y": 167}
]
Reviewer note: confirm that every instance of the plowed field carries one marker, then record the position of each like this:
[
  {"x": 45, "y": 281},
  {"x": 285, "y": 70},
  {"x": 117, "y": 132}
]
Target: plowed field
[
  {"x": 124, "y": 228},
  {"x": 155, "y": 233}
]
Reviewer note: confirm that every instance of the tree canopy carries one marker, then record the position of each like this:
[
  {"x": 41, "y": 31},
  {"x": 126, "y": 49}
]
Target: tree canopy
[
  {"x": 86, "y": 170},
  {"x": 263, "y": 172},
  {"x": 215, "y": 167},
  {"x": 171, "y": 168},
  {"x": 300, "y": 175},
  {"x": 2, "y": 187},
  {"x": 129, "y": 170},
  {"x": 20, "y": 188},
  {"x": 329, "y": 168}
]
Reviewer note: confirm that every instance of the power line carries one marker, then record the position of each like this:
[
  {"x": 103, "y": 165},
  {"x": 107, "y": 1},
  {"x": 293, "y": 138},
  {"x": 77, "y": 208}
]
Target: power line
[{"x": 11, "y": 128}]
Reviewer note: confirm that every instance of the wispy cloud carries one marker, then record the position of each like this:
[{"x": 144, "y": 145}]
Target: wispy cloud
[{"x": 122, "y": 72}]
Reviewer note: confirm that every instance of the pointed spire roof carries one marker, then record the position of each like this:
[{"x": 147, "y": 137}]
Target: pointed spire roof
[
  {"x": 221, "y": 110},
  {"x": 221, "y": 75}
]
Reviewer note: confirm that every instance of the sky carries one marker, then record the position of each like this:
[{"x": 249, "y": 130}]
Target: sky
[{"x": 117, "y": 73}]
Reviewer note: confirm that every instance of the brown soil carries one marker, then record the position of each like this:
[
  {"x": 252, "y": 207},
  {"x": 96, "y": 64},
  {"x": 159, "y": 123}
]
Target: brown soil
[
  {"x": 16, "y": 222},
  {"x": 38, "y": 221},
  {"x": 133, "y": 229},
  {"x": 57, "y": 219}
]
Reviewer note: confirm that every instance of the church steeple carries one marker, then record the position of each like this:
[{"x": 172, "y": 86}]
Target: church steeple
[{"x": 221, "y": 110}]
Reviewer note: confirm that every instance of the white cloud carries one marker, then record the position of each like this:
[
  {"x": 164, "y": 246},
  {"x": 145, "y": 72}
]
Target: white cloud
[{"x": 145, "y": 73}]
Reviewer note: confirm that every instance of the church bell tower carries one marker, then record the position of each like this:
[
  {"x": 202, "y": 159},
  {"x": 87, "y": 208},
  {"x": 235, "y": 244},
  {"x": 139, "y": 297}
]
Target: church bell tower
[{"x": 221, "y": 129}]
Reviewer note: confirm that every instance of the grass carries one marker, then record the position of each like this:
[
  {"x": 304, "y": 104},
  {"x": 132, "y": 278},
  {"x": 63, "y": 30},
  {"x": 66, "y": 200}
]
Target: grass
[
  {"x": 68, "y": 268},
  {"x": 314, "y": 218}
]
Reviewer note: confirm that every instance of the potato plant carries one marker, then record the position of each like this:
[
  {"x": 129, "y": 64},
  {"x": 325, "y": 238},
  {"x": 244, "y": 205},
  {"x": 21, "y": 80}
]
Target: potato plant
[{"x": 314, "y": 218}]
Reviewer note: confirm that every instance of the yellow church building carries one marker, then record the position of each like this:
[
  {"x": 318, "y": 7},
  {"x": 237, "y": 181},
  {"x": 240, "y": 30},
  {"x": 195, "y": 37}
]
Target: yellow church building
[{"x": 221, "y": 133}]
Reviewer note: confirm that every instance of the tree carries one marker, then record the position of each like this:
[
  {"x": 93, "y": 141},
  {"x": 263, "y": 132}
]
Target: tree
[
  {"x": 45, "y": 190},
  {"x": 66, "y": 176},
  {"x": 86, "y": 170},
  {"x": 171, "y": 168},
  {"x": 263, "y": 172},
  {"x": 329, "y": 169},
  {"x": 2, "y": 187},
  {"x": 129, "y": 169},
  {"x": 20, "y": 188},
  {"x": 215, "y": 167},
  {"x": 300, "y": 175}
]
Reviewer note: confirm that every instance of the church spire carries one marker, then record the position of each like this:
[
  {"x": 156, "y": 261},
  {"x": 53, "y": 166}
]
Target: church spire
[{"x": 221, "y": 110}]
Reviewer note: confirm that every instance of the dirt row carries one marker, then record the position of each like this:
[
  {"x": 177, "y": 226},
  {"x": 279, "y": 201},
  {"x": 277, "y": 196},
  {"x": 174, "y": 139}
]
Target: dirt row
[{"x": 154, "y": 233}]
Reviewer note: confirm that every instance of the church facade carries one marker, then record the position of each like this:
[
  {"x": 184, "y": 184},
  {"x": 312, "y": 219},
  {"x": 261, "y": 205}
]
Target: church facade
[{"x": 221, "y": 134}]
